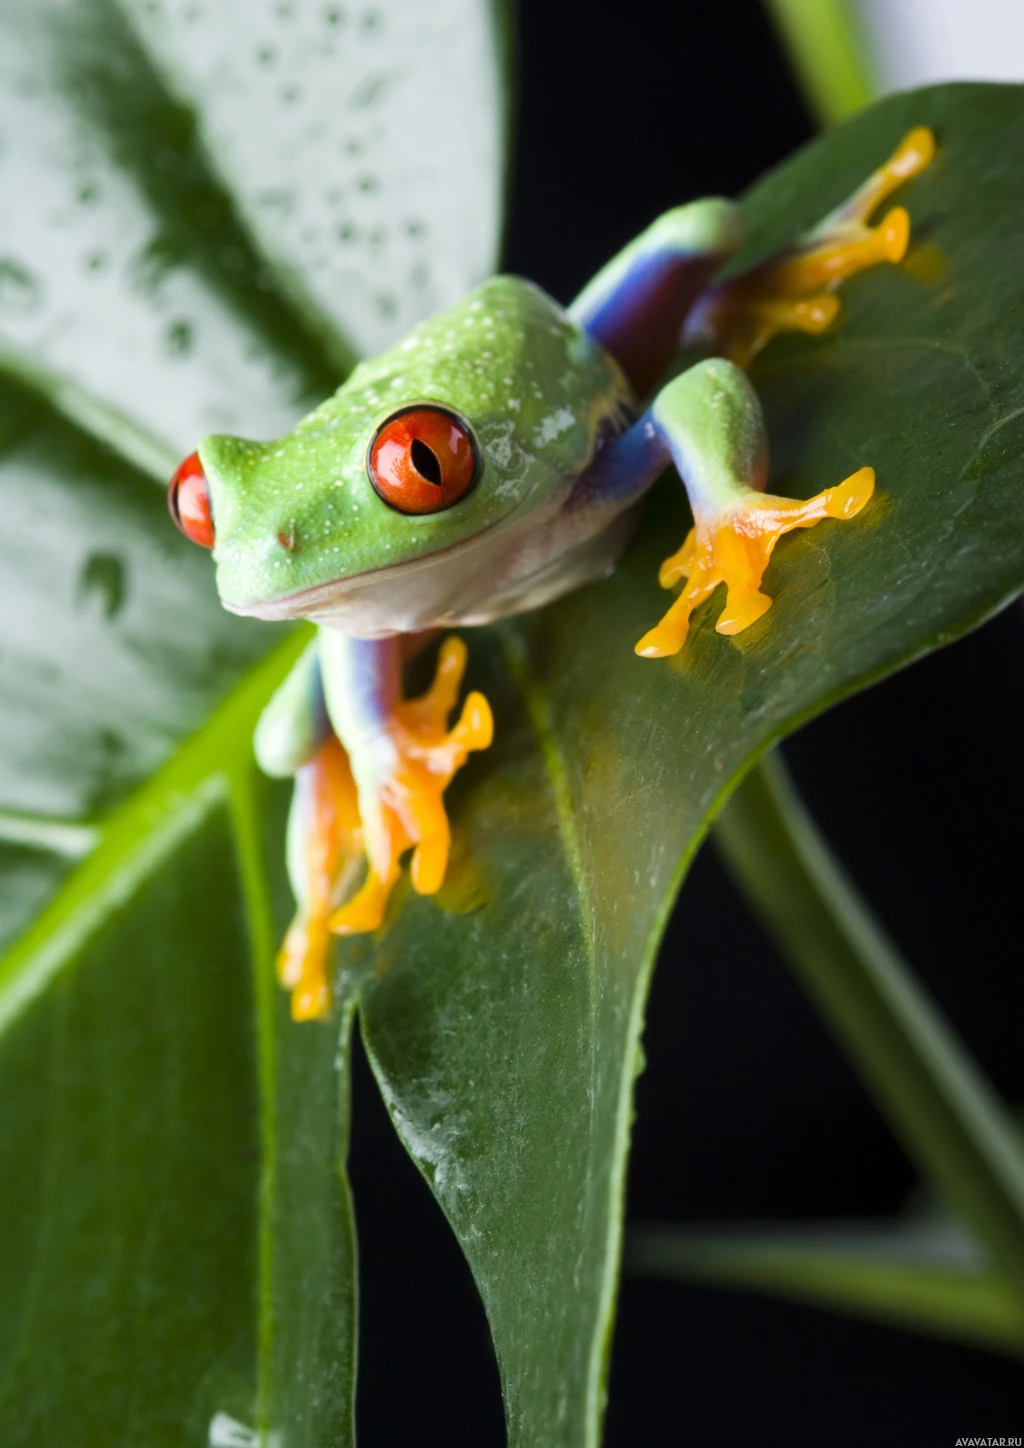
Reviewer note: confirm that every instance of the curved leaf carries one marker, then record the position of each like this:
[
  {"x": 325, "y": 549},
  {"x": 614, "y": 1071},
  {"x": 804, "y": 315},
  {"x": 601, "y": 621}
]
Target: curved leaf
[
  {"x": 178, "y": 1252},
  {"x": 506, "y": 1040}
]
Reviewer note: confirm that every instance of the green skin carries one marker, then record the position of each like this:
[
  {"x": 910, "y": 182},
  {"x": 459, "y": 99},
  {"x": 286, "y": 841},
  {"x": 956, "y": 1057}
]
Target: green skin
[
  {"x": 535, "y": 390},
  {"x": 301, "y": 532}
]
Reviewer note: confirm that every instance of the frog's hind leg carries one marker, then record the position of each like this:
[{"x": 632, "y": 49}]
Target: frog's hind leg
[
  {"x": 794, "y": 291},
  {"x": 710, "y": 421},
  {"x": 636, "y": 305},
  {"x": 325, "y": 843},
  {"x": 403, "y": 756}
]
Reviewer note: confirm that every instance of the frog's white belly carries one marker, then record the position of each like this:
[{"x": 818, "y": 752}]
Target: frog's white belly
[{"x": 509, "y": 569}]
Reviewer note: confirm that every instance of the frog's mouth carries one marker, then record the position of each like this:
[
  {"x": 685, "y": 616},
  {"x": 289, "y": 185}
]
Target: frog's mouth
[{"x": 430, "y": 576}]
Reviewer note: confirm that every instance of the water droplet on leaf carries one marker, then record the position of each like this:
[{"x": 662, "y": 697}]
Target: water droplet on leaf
[
  {"x": 103, "y": 578},
  {"x": 178, "y": 339},
  {"x": 20, "y": 289}
]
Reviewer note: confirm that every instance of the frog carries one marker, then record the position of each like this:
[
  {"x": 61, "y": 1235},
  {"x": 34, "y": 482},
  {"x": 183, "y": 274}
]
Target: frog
[{"x": 487, "y": 464}]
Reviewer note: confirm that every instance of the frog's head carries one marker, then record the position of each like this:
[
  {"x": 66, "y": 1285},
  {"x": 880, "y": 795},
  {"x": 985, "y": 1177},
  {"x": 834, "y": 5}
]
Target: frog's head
[{"x": 475, "y": 424}]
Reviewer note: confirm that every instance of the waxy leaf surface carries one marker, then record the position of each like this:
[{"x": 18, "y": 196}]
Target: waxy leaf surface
[{"x": 507, "y": 1040}]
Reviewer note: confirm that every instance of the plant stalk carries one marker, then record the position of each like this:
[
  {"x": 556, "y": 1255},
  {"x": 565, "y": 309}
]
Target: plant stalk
[{"x": 934, "y": 1096}]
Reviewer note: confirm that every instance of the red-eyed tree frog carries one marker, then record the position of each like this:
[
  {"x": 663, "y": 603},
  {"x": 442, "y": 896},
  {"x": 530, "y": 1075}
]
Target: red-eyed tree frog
[{"x": 484, "y": 465}]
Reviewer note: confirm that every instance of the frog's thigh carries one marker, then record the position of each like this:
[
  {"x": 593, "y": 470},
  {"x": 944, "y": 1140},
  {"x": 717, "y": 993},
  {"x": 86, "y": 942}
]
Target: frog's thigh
[
  {"x": 636, "y": 305},
  {"x": 711, "y": 422},
  {"x": 794, "y": 290},
  {"x": 294, "y": 723},
  {"x": 324, "y": 850},
  {"x": 294, "y": 737}
]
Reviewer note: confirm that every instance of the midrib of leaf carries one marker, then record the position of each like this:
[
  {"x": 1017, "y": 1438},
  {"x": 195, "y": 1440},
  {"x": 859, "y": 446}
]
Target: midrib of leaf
[
  {"x": 260, "y": 925},
  {"x": 336, "y": 346},
  {"x": 105, "y": 424},
  {"x": 539, "y": 714},
  {"x": 139, "y": 835},
  {"x": 70, "y": 838},
  {"x": 632, "y": 1061},
  {"x": 543, "y": 723}
]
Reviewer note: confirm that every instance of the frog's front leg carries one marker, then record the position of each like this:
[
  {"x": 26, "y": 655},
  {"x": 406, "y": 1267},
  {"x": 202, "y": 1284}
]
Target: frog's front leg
[
  {"x": 403, "y": 756},
  {"x": 708, "y": 421},
  {"x": 711, "y": 421},
  {"x": 636, "y": 305}
]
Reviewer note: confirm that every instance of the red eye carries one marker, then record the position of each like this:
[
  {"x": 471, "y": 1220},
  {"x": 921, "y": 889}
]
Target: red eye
[
  {"x": 422, "y": 460},
  {"x": 188, "y": 498}
]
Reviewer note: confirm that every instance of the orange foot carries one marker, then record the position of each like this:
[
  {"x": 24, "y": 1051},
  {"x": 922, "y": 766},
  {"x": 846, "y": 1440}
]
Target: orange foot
[
  {"x": 733, "y": 547},
  {"x": 409, "y": 810},
  {"x": 328, "y": 834},
  {"x": 794, "y": 291},
  {"x": 325, "y": 844}
]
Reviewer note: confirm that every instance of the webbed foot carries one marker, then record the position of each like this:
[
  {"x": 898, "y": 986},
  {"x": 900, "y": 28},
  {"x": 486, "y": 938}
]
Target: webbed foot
[
  {"x": 325, "y": 842},
  {"x": 794, "y": 291},
  {"x": 733, "y": 546},
  {"x": 408, "y": 809}
]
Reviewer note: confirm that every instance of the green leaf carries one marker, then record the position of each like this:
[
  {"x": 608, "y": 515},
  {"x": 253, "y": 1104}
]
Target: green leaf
[
  {"x": 941, "y": 1107},
  {"x": 178, "y": 1248},
  {"x": 179, "y": 1240},
  {"x": 921, "y": 1279},
  {"x": 505, "y": 1029}
]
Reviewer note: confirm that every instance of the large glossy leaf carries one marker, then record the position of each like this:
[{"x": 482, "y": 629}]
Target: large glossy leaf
[
  {"x": 176, "y": 1247},
  {"x": 506, "y": 1040}
]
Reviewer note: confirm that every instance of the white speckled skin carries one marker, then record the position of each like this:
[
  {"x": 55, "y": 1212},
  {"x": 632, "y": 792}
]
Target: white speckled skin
[{"x": 537, "y": 393}]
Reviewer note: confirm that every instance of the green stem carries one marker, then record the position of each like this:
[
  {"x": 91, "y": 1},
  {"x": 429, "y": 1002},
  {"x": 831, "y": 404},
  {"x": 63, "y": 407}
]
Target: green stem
[
  {"x": 840, "y": 1274},
  {"x": 827, "y": 55},
  {"x": 936, "y": 1100}
]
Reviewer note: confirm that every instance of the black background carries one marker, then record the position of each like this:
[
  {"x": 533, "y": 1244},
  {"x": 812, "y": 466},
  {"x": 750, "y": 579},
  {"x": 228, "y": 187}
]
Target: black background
[{"x": 746, "y": 1109}]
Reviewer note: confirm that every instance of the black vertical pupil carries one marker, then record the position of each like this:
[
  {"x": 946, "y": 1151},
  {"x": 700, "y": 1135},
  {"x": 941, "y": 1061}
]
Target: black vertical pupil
[{"x": 424, "y": 460}]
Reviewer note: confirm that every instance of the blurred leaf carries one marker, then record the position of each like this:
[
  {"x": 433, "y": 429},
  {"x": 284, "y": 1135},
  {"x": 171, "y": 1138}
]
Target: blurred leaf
[
  {"x": 506, "y": 1039},
  {"x": 939, "y": 1104},
  {"x": 904, "y": 1277},
  {"x": 396, "y": 112},
  {"x": 828, "y": 54},
  {"x": 177, "y": 1258},
  {"x": 171, "y": 173}
]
